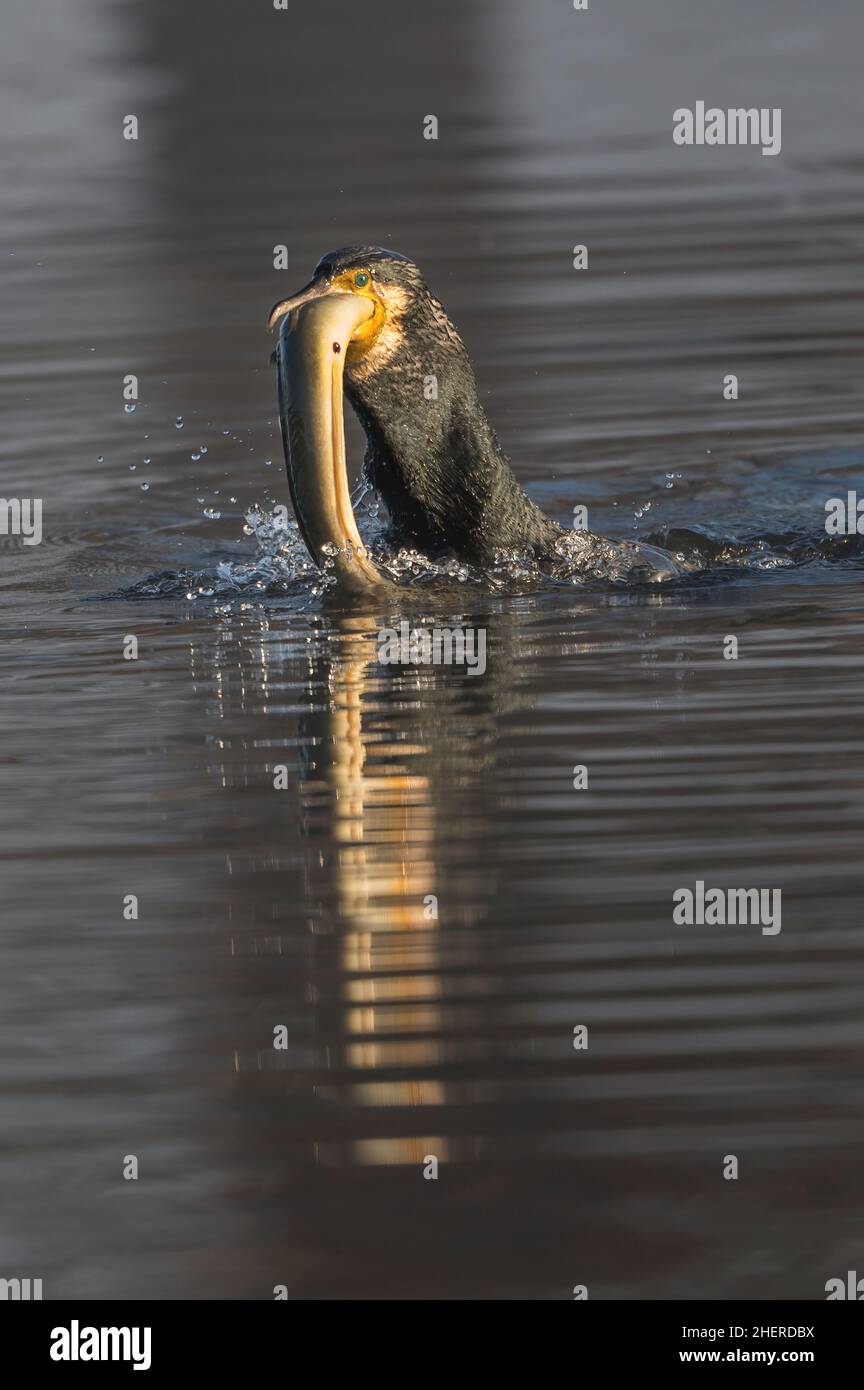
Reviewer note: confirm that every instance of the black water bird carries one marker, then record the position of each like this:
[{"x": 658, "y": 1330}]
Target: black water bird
[{"x": 367, "y": 322}]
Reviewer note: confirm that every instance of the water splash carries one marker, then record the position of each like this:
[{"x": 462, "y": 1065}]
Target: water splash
[
  {"x": 706, "y": 548},
  {"x": 280, "y": 565}
]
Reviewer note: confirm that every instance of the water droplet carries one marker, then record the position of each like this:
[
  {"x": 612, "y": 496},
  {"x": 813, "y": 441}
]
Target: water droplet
[
  {"x": 202, "y": 448},
  {"x": 232, "y": 499},
  {"x": 178, "y": 423},
  {"x": 145, "y": 487},
  {"x": 145, "y": 460},
  {"x": 195, "y": 457},
  {"x": 132, "y": 467},
  {"x": 268, "y": 463},
  {"x": 226, "y": 431},
  {"x": 100, "y": 458},
  {"x": 130, "y": 407},
  {"x": 211, "y": 514}
]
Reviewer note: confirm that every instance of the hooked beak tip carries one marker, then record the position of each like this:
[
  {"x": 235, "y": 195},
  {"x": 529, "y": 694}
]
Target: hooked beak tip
[
  {"x": 277, "y": 313},
  {"x": 316, "y": 289}
]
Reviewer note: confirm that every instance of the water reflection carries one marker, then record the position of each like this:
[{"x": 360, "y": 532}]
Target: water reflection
[
  {"x": 370, "y": 796},
  {"x": 389, "y": 789}
]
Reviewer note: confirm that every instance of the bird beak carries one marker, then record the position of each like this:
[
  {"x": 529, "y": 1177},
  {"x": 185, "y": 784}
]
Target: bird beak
[
  {"x": 316, "y": 289},
  {"x": 317, "y": 325}
]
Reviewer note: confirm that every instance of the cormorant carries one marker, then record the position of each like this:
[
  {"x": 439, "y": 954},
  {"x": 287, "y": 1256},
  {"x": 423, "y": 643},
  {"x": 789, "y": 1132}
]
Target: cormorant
[
  {"x": 431, "y": 453},
  {"x": 367, "y": 322}
]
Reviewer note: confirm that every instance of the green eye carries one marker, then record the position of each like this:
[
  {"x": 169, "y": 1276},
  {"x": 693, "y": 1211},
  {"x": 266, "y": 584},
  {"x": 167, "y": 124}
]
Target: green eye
[{"x": 361, "y": 279}]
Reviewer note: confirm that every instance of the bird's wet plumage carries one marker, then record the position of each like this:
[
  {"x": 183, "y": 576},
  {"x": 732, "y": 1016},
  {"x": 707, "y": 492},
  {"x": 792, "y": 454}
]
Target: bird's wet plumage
[{"x": 431, "y": 453}]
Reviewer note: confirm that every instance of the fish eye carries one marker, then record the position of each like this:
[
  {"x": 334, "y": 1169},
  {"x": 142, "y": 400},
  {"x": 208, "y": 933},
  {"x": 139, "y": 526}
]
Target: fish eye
[{"x": 361, "y": 279}]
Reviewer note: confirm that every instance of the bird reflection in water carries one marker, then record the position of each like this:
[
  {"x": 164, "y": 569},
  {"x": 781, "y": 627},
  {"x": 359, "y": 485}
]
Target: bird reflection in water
[
  {"x": 375, "y": 800},
  {"x": 389, "y": 787}
]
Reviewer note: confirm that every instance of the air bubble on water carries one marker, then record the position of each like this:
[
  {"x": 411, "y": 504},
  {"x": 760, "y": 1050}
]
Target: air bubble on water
[
  {"x": 145, "y": 487},
  {"x": 132, "y": 467},
  {"x": 178, "y": 423},
  {"x": 199, "y": 499},
  {"x": 232, "y": 499},
  {"x": 130, "y": 407},
  {"x": 195, "y": 457},
  {"x": 146, "y": 460},
  {"x": 100, "y": 458},
  {"x": 268, "y": 463},
  {"x": 211, "y": 514},
  {"x": 202, "y": 448},
  {"x": 226, "y": 431}
]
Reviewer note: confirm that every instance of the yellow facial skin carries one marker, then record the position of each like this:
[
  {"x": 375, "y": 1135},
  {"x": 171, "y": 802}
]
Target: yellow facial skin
[
  {"x": 361, "y": 282},
  {"x": 376, "y": 341}
]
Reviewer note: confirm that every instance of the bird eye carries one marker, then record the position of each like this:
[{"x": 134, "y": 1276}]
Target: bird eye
[{"x": 361, "y": 279}]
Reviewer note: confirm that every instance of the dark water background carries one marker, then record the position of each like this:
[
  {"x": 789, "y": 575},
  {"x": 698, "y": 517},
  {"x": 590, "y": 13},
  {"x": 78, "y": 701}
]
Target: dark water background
[{"x": 304, "y": 907}]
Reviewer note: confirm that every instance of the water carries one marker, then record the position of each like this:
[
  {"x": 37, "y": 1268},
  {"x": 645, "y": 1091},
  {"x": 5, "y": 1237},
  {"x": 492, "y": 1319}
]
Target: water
[{"x": 308, "y": 907}]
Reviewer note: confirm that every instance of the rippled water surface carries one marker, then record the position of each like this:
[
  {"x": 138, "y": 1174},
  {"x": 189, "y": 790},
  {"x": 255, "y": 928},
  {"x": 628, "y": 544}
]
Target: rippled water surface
[{"x": 308, "y": 907}]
